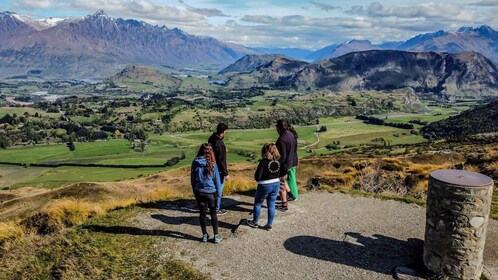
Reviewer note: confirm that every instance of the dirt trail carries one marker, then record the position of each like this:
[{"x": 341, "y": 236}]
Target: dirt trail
[{"x": 322, "y": 236}]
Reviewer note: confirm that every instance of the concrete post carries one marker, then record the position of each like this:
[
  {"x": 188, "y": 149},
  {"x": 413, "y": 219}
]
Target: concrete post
[{"x": 458, "y": 205}]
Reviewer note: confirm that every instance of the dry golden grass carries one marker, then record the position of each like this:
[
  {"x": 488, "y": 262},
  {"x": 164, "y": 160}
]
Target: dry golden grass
[
  {"x": 491, "y": 155},
  {"x": 10, "y": 232},
  {"x": 419, "y": 189},
  {"x": 392, "y": 164},
  {"x": 339, "y": 179},
  {"x": 426, "y": 169},
  {"x": 472, "y": 168},
  {"x": 240, "y": 184},
  {"x": 492, "y": 169},
  {"x": 70, "y": 212}
]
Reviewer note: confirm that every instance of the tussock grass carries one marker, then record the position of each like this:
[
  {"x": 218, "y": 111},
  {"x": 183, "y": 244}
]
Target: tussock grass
[
  {"x": 10, "y": 234},
  {"x": 472, "y": 168},
  {"x": 70, "y": 212},
  {"x": 491, "y": 169},
  {"x": 240, "y": 184},
  {"x": 491, "y": 155},
  {"x": 425, "y": 169}
]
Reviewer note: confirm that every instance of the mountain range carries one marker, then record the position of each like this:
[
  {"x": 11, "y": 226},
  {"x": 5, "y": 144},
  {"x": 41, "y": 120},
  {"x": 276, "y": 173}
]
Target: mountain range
[
  {"x": 482, "y": 39},
  {"x": 97, "y": 45},
  {"x": 459, "y": 74}
]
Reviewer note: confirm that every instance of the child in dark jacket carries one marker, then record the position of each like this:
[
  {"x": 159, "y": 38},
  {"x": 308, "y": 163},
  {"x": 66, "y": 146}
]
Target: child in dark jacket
[
  {"x": 267, "y": 175},
  {"x": 205, "y": 181}
]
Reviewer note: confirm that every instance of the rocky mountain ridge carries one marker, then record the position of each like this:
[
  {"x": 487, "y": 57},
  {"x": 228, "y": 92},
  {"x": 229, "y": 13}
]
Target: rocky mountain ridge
[
  {"x": 460, "y": 74},
  {"x": 97, "y": 45}
]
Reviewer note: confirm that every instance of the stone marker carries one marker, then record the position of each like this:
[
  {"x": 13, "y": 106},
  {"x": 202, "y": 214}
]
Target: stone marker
[{"x": 458, "y": 205}]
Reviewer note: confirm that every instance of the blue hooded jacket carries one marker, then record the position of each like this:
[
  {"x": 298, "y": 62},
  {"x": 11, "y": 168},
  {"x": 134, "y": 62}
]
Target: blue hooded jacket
[{"x": 198, "y": 179}]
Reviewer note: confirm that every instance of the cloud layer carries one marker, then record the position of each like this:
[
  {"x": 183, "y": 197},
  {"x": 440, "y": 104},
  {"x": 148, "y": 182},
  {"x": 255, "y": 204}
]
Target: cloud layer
[{"x": 307, "y": 24}]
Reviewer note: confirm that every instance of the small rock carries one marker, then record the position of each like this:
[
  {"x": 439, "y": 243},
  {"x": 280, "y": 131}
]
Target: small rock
[
  {"x": 476, "y": 222},
  {"x": 405, "y": 273}
]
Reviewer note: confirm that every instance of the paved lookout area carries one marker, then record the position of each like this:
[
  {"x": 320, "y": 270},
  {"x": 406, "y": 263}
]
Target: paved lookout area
[{"x": 322, "y": 236}]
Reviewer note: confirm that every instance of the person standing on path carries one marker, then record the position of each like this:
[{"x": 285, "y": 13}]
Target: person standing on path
[
  {"x": 220, "y": 152},
  {"x": 287, "y": 145},
  {"x": 205, "y": 181},
  {"x": 268, "y": 177},
  {"x": 291, "y": 176}
]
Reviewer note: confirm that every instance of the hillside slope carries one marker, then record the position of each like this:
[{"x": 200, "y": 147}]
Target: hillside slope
[{"x": 482, "y": 119}]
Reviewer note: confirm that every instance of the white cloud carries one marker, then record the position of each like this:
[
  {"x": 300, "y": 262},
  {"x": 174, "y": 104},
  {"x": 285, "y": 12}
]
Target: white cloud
[
  {"x": 484, "y": 3},
  {"x": 141, "y": 9},
  {"x": 428, "y": 10},
  {"x": 264, "y": 23},
  {"x": 36, "y": 4},
  {"x": 209, "y": 12},
  {"x": 323, "y": 6}
]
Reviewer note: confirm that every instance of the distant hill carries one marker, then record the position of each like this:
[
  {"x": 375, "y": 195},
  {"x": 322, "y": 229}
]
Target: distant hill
[
  {"x": 461, "y": 74},
  {"x": 297, "y": 53},
  {"x": 147, "y": 79},
  {"x": 482, "y": 119},
  {"x": 250, "y": 63},
  {"x": 97, "y": 46},
  {"x": 137, "y": 75},
  {"x": 266, "y": 69},
  {"x": 344, "y": 48}
]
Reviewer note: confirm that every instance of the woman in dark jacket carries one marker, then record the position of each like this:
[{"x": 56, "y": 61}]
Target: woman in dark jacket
[
  {"x": 268, "y": 177},
  {"x": 205, "y": 181}
]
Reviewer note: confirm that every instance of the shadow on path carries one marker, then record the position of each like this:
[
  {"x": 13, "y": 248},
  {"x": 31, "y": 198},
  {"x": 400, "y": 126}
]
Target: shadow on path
[
  {"x": 190, "y": 206},
  {"x": 189, "y": 220},
  {"x": 139, "y": 231},
  {"x": 378, "y": 253}
]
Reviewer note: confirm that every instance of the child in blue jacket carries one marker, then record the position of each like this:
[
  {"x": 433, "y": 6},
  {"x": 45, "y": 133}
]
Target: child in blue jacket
[{"x": 205, "y": 180}]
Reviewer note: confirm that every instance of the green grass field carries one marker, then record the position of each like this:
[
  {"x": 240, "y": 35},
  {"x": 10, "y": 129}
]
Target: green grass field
[
  {"x": 21, "y": 110},
  {"x": 346, "y": 130}
]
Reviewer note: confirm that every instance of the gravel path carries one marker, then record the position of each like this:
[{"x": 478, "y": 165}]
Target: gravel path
[{"x": 322, "y": 236}]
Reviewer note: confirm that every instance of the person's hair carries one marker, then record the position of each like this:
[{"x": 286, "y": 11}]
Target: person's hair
[
  {"x": 221, "y": 128},
  {"x": 206, "y": 151},
  {"x": 293, "y": 130},
  {"x": 270, "y": 151},
  {"x": 282, "y": 125}
]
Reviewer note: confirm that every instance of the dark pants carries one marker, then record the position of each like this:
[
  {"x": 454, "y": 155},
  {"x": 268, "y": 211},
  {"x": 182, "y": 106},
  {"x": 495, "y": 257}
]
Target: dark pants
[{"x": 205, "y": 201}]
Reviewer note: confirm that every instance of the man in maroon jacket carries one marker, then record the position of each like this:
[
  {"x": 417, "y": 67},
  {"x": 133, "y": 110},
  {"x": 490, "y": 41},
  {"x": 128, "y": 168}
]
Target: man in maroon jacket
[{"x": 287, "y": 145}]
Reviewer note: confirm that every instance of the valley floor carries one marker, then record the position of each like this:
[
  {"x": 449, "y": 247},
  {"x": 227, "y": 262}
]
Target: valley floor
[{"x": 322, "y": 236}]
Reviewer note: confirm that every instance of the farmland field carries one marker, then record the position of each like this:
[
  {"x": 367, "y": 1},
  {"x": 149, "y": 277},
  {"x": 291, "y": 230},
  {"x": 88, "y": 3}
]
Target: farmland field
[{"x": 243, "y": 146}]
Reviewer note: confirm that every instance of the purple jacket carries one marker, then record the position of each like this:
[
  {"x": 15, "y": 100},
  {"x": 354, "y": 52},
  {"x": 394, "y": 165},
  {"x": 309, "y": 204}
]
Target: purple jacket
[{"x": 287, "y": 147}]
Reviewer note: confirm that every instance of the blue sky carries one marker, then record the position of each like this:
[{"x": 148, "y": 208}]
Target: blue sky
[{"x": 283, "y": 23}]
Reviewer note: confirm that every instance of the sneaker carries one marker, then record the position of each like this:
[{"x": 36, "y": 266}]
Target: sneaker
[
  {"x": 251, "y": 223},
  {"x": 268, "y": 227},
  {"x": 217, "y": 238},
  {"x": 291, "y": 198},
  {"x": 205, "y": 238},
  {"x": 221, "y": 212},
  {"x": 282, "y": 208}
]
